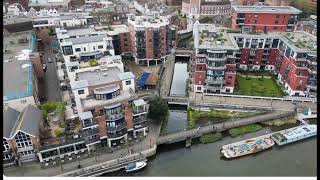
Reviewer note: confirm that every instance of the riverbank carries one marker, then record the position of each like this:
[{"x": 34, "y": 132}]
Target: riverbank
[
  {"x": 199, "y": 160},
  {"x": 201, "y": 118}
]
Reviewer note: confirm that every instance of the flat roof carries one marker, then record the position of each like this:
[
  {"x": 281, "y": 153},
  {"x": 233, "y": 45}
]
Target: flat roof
[
  {"x": 300, "y": 41},
  {"x": 208, "y": 36},
  {"x": 85, "y": 115},
  {"x": 126, "y": 76},
  {"x": 78, "y": 84},
  {"x": 139, "y": 102},
  {"x": 149, "y": 21},
  {"x": 267, "y": 9},
  {"x": 86, "y": 39},
  {"x": 98, "y": 77},
  {"x": 17, "y": 67}
]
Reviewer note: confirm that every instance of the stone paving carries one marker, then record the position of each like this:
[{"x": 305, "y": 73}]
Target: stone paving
[{"x": 35, "y": 169}]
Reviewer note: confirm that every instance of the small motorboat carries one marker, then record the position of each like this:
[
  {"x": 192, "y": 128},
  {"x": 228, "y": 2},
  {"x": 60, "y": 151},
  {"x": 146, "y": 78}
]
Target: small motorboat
[{"x": 135, "y": 166}]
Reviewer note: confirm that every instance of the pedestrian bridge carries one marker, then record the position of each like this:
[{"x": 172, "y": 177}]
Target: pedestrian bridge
[
  {"x": 183, "y": 52},
  {"x": 197, "y": 132}
]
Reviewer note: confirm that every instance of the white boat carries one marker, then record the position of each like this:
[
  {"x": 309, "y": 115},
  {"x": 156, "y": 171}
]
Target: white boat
[{"x": 135, "y": 166}]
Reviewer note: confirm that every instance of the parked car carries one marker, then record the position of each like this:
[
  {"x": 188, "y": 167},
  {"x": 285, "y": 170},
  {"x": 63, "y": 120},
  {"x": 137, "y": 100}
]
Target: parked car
[
  {"x": 44, "y": 67},
  {"x": 49, "y": 60}
]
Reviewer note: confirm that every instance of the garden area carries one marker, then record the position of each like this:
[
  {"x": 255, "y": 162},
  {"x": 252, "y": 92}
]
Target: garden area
[
  {"x": 203, "y": 118},
  {"x": 53, "y": 126},
  {"x": 234, "y": 132},
  {"x": 257, "y": 86}
]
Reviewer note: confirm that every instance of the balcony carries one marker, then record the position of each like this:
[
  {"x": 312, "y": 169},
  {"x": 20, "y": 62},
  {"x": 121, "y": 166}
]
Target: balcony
[
  {"x": 231, "y": 56},
  {"x": 117, "y": 134},
  {"x": 214, "y": 88},
  {"x": 90, "y": 132},
  {"x": 114, "y": 117},
  {"x": 141, "y": 125},
  {"x": 141, "y": 119},
  {"x": 118, "y": 127},
  {"x": 216, "y": 59},
  {"x": 139, "y": 111},
  {"x": 86, "y": 124},
  {"x": 217, "y": 67},
  {"x": 211, "y": 81}
]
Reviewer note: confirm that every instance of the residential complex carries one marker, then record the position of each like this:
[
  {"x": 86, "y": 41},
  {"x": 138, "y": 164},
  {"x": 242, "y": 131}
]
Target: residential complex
[
  {"x": 200, "y": 8},
  {"x": 269, "y": 18},
  {"x": 151, "y": 38},
  {"x": 218, "y": 54}
]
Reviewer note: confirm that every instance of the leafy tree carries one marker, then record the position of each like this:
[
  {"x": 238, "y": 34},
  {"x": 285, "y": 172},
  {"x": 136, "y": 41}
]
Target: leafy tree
[{"x": 158, "y": 108}]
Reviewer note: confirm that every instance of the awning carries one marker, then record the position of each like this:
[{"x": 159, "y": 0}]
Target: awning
[{"x": 143, "y": 79}]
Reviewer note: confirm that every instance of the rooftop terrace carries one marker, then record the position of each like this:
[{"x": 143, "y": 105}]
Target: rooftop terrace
[
  {"x": 267, "y": 9},
  {"x": 301, "y": 40},
  {"x": 211, "y": 37}
]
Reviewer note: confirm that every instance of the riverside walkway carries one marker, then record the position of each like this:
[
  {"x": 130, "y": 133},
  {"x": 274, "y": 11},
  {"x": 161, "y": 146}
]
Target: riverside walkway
[{"x": 183, "y": 135}]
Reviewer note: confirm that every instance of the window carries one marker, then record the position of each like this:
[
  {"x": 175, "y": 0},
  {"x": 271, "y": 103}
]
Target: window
[
  {"x": 84, "y": 49},
  {"x": 200, "y": 82},
  {"x": 199, "y": 88},
  {"x": 23, "y": 101},
  {"x": 81, "y": 91},
  {"x": 100, "y": 47},
  {"x": 128, "y": 82},
  {"x": 5, "y": 145},
  {"x": 78, "y": 49},
  {"x": 94, "y": 48},
  {"x": 276, "y": 22},
  {"x": 229, "y": 77},
  {"x": 23, "y": 140}
]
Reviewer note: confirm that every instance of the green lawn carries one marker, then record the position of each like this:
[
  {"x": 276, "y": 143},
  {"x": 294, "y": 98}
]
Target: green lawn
[
  {"x": 234, "y": 132},
  {"x": 257, "y": 87},
  {"x": 202, "y": 118}
]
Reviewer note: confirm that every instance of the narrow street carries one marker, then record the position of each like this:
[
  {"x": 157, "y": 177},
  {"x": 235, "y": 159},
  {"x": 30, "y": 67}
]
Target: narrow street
[{"x": 49, "y": 87}]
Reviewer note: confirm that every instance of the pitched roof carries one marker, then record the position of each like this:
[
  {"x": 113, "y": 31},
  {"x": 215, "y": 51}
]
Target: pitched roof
[
  {"x": 29, "y": 120},
  {"x": 10, "y": 117}
]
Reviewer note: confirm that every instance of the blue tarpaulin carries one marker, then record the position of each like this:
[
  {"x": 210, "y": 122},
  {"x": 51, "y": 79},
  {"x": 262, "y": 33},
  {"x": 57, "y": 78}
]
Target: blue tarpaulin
[{"x": 143, "y": 79}]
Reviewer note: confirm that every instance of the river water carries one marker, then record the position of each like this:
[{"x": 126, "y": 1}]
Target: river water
[
  {"x": 296, "y": 159},
  {"x": 180, "y": 76}
]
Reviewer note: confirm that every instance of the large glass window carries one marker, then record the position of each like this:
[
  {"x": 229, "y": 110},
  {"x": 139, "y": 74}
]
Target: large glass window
[{"x": 23, "y": 140}]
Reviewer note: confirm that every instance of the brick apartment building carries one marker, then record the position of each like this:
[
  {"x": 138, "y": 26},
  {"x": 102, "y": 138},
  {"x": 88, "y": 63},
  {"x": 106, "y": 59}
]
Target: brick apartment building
[
  {"x": 199, "y": 8},
  {"x": 270, "y": 18},
  {"x": 290, "y": 55},
  {"x": 107, "y": 105},
  {"x": 151, "y": 38},
  {"x": 214, "y": 60}
]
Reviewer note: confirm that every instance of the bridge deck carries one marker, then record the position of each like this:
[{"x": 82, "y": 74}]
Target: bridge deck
[{"x": 182, "y": 135}]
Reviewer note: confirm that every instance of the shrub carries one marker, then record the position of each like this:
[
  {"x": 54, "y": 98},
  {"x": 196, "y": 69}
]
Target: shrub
[
  {"x": 57, "y": 132},
  {"x": 93, "y": 62},
  {"x": 209, "y": 138},
  {"x": 234, "y": 132}
]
